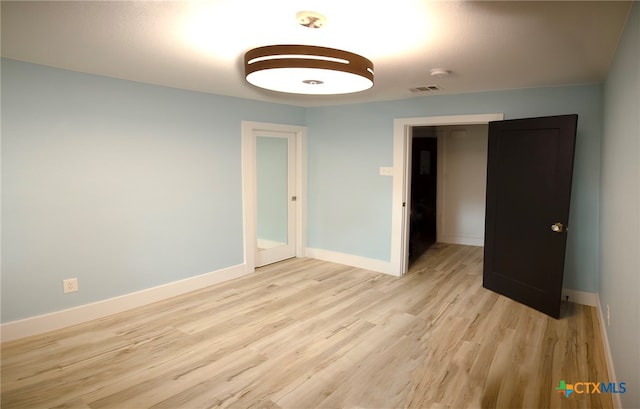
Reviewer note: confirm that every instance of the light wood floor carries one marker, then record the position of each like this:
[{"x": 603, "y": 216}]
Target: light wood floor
[{"x": 310, "y": 334}]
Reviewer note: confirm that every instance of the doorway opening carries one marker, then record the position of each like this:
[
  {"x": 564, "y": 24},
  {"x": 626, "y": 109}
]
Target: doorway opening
[{"x": 402, "y": 159}]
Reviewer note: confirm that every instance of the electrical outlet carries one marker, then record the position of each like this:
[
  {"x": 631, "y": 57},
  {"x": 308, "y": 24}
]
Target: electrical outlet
[
  {"x": 70, "y": 285},
  {"x": 608, "y": 316}
]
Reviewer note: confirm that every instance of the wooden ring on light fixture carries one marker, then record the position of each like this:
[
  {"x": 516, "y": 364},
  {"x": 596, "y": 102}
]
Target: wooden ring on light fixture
[{"x": 291, "y": 56}]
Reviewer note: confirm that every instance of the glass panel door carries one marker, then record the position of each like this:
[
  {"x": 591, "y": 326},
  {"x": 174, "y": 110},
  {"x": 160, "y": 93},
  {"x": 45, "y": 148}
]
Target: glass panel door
[{"x": 275, "y": 196}]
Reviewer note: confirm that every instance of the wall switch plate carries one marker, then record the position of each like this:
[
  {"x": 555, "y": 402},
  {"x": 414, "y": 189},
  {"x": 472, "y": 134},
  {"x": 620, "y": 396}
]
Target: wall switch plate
[
  {"x": 386, "y": 171},
  {"x": 70, "y": 285}
]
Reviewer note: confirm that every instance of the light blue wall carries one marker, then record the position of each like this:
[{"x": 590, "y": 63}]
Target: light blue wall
[
  {"x": 123, "y": 185},
  {"x": 350, "y": 204},
  {"x": 619, "y": 277},
  {"x": 127, "y": 186}
]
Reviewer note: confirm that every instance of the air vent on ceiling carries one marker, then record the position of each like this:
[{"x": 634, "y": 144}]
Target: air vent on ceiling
[{"x": 426, "y": 89}]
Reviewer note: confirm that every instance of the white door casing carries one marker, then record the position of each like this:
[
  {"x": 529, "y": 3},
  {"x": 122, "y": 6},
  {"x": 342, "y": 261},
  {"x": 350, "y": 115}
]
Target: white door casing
[{"x": 296, "y": 149}]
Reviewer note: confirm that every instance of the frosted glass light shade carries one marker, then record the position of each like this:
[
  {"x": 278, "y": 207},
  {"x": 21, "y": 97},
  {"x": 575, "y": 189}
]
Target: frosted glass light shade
[{"x": 302, "y": 69}]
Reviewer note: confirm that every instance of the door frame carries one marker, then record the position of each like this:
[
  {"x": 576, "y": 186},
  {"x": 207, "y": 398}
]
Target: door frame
[
  {"x": 249, "y": 200},
  {"x": 401, "y": 195}
]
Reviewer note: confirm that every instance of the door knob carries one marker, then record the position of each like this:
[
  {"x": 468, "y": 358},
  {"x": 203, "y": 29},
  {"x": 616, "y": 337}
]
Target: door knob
[{"x": 557, "y": 227}]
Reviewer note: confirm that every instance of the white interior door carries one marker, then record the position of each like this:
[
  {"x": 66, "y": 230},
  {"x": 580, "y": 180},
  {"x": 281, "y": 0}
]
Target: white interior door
[{"x": 276, "y": 201}]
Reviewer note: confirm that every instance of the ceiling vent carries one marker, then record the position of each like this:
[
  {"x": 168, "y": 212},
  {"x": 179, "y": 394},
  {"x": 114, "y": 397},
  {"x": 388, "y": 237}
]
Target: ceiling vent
[{"x": 425, "y": 89}]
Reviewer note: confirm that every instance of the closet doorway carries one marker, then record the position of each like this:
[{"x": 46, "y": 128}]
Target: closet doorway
[
  {"x": 448, "y": 186},
  {"x": 460, "y": 190}
]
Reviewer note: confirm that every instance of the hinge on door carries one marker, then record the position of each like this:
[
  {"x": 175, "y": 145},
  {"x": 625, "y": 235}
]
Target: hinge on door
[{"x": 294, "y": 198}]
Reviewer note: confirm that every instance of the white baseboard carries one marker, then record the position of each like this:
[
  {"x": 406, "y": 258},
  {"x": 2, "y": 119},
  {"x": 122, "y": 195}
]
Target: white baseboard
[
  {"x": 77, "y": 315},
  {"x": 465, "y": 241},
  {"x": 351, "y": 260},
  {"x": 617, "y": 402},
  {"x": 580, "y": 297}
]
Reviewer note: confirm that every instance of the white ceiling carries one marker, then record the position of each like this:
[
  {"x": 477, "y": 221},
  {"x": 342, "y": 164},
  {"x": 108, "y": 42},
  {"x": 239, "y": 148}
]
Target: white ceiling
[{"x": 199, "y": 45}]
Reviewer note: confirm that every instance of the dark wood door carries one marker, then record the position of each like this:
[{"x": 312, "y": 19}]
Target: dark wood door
[{"x": 529, "y": 171}]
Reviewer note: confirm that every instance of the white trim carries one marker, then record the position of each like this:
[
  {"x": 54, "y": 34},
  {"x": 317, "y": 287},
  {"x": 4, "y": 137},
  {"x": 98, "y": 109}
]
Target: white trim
[
  {"x": 77, "y": 315},
  {"x": 350, "y": 260},
  {"x": 249, "y": 225},
  {"x": 401, "y": 142},
  {"x": 249, "y": 186},
  {"x": 580, "y": 297},
  {"x": 615, "y": 397}
]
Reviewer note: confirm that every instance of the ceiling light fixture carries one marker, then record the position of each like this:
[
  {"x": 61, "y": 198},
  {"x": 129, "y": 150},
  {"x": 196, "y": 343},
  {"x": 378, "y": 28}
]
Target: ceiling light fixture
[
  {"x": 306, "y": 69},
  {"x": 311, "y": 19}
]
